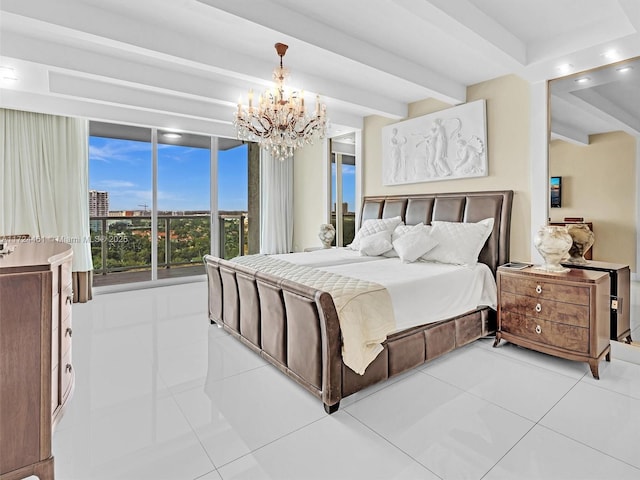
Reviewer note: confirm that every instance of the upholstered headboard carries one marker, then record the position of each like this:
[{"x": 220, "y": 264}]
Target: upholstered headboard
[{"x": 452, "y": 207}]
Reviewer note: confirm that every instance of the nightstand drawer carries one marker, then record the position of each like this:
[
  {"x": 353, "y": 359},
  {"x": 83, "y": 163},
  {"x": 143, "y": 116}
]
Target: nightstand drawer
[
  {"x": 541, "y": 289},
  {"x": 550, "y": 310},
  {"x": 548, "y": 333}
]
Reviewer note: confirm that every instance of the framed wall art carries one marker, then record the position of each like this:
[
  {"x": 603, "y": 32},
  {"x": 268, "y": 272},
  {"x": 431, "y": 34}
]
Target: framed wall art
[{"x": 444, "y": 145}]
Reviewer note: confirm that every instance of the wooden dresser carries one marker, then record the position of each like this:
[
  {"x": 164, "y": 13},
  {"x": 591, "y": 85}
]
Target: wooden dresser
[
  {"x": 562, "y": 314},
  {"x": 36, "y": 374}
]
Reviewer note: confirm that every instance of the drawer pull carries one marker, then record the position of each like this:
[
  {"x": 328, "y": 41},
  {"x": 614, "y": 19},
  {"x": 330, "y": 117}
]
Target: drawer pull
[
  {"x": 69, "y": 332},
  {"x": 538, "y": 289},
  {"x": 538, "y": 329},
  {"x": 69, "y": 367},
  {"x": 538, "y": 308}
]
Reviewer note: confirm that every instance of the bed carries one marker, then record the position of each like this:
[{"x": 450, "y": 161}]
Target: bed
[{"x": 296, "y": 327}]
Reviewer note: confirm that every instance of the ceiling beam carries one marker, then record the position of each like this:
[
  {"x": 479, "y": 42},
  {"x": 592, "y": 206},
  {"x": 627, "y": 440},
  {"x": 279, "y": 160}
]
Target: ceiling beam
[
  {"x": 308, "y": 30},
  {"x": 222, "y": 82},
  {"x": 467, "y": 23}
]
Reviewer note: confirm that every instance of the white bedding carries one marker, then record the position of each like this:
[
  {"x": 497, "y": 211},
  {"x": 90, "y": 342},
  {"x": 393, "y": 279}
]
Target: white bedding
[
  {"x": 326, "y": 257},
  {"x": 425, "y": 292}
]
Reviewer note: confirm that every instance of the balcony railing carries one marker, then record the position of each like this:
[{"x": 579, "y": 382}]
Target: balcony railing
[{"x": 123, "y": 243}]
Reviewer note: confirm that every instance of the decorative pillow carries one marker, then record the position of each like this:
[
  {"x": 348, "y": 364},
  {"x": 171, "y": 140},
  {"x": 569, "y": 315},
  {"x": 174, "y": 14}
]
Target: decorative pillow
[
  {"x": 400, "y": 231},
  {"x": 459, "y": 243},
  {"x": 374, "y": 225},
  {"x": 414, "y": 244},
  {"x": 376, "y": 244}
]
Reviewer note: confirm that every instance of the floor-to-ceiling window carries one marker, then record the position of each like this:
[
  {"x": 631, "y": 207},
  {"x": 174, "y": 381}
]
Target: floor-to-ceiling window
[
  {"x": 233, "y": 194},
  {"x": 150, "y": 202},
  {"x": 184, "y": 199},
  {"x": 120, "y": 187},
  {"x": 343, "y": 190}
]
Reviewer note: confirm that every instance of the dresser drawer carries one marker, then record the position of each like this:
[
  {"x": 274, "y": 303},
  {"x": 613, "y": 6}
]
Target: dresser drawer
[
  {"x": 66, "y": 276},
  {"x": 66, "y": 302},
  {"x": 67, "y": 374},
  {"x": 544, "y": 332},
  {"x": 65, "y": 335},
  {"x": 544, "y": 309},
  {"x": 55, "y": 392},
  {"x": 540, "y": 289}
]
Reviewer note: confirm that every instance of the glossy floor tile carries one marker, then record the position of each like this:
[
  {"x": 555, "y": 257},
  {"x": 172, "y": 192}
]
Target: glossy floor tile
[
  {"x": 544, "y": 454},
  {"x": 452, "y": 433},
  {"x": 492, "y": 377},
  {"x": 162, "y": 394},
  {"x": 335, "y": 447},
  {"x": 605, "y": 420}
]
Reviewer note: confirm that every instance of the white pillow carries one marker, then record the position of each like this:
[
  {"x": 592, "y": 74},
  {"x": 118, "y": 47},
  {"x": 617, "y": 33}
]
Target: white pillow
[
  {"x": 376, "y": 244},
  {"x": 459, "y": 243},
  {"x": 400, "y": 231},
  {"x": 414, "y": 244},
  {"x": 374, "y": 225}
]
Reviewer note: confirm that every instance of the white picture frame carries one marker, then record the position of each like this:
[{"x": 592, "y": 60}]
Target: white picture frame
[{"x": 445, "y": 145}]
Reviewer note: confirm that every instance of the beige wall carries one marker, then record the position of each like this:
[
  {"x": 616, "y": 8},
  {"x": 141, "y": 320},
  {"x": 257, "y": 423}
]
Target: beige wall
[
  {"x": 308, "y": 196},
  {"x": 508, "y": 149},
  {"x": 598, "y": 184}
]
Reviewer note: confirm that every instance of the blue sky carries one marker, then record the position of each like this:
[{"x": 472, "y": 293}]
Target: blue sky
[
  {"x": 348, "y": 185},
  {"x": 123, "y": 168}
]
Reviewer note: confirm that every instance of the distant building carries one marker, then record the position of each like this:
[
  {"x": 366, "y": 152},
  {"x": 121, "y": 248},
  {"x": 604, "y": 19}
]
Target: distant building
[{"x": 98, "y": 203}]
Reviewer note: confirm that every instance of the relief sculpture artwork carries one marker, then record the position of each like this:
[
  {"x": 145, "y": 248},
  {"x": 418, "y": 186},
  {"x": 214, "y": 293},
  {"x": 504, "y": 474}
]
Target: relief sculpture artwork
[{"x": 444, "y": 145}]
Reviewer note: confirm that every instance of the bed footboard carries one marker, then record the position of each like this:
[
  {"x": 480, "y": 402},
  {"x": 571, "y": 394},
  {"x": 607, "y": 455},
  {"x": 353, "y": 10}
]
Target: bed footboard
[
  {"x": 296, "y": 328},
  {"x": 292, "y": 326}
]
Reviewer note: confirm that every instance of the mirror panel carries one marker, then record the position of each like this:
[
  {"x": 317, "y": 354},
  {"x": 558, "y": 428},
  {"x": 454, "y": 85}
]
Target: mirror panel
[{"x": 594, "y": 127}]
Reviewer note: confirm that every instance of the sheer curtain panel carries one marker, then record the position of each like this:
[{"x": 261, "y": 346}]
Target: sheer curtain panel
[
  {"x": 44, "y": 185},
  {"x": 276, "y": 199}
]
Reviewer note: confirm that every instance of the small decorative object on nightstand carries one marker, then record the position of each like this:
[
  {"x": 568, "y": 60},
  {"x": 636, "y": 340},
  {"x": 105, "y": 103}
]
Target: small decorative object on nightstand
[
  {"x": 327, "y": 234},
  {"x": 562, "y": 314},
  {"x": 553, "y": 243},
  {"x": 583, "y": 239}
]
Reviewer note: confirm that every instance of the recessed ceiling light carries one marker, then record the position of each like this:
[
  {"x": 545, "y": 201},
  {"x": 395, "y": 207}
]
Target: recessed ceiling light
[
  {"x": 611, "y": 54},
  {"x": 172, "y": 135},
  {"x": 8, "y": 74},
  {"x": 564, "y": 68},
  {"x": 624, "y": 69},
  {"x": 583, "y": 80}
]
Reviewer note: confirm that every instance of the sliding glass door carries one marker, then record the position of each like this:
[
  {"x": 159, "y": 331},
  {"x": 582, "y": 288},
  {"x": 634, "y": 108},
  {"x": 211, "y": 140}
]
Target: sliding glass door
[
  {"x": 343, "y": 191},
  {"x": 120, "y": 186},
  {"x": 150, "y": 202}
]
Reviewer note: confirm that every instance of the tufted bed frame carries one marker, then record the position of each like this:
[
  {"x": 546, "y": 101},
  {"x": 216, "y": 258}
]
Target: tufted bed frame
[{"x": 296, "y": 327}]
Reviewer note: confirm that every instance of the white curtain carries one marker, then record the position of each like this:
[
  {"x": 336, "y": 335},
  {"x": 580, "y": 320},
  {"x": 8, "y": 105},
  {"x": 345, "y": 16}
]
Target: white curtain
[
  {"x": 276, "y": 200},
  {"x": 44, "y": 172}
]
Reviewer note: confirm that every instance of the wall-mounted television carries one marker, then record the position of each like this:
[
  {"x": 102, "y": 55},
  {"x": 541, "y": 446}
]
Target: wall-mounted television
[{"x": 555, "y": 189}]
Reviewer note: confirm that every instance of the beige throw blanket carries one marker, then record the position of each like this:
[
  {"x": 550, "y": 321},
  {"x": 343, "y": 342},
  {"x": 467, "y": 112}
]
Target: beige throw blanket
[{"x": 364, "y": 308}]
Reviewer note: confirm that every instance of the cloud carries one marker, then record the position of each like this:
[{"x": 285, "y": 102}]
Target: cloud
[
  {"x": 113, "y": 184},
  {"x": 120, "y": 151}
]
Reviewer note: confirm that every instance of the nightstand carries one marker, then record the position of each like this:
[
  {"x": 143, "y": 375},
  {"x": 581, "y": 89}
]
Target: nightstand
[
  {"x": 620, "y": 306},
  {"x": 562, "y": 314}
]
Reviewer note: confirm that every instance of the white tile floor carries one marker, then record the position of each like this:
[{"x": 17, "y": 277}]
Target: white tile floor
[{"x": 161, "y": 394}]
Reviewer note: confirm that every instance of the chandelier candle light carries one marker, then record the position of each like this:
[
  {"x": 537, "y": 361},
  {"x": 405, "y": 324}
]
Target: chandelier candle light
[{"x": 279, "y": 123}]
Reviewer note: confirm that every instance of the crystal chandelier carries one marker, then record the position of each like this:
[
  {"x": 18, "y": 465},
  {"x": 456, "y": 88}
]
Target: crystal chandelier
[{"x": 280, "y": 123}]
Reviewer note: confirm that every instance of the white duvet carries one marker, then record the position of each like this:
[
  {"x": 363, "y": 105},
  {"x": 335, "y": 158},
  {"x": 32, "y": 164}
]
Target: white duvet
[
  {"x": 425, "y": 292},
  {"x": 421, "y": 292},
  {"x": 326, "y": 257}
]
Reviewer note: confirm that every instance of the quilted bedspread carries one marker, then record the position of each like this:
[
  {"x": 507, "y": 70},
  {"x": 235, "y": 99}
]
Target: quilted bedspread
[{"x": 364, "y": 308}]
